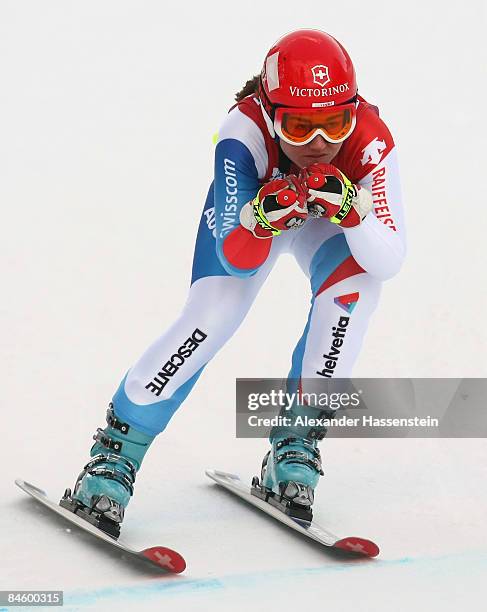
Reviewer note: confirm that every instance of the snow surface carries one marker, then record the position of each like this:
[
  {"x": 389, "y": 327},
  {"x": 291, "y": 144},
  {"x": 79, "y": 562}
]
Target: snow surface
[{"x": 107, "y": 113}]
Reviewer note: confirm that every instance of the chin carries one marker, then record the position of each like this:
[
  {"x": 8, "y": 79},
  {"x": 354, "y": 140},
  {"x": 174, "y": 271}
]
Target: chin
[{"x": 322, "y": 159}]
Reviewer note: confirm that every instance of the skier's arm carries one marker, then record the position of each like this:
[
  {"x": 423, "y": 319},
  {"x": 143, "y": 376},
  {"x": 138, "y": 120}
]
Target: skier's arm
[
  {"x": 240, "y": 163},
  {"x": 236, "y": 183},
  {"x": 378, "y": 244},
  {"x": 369, "y": 212}
]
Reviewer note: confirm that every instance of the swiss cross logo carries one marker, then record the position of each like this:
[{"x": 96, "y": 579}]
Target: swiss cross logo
[
  {"x": 163, "y": 560},
  {"x": 320, "y": 75},
  {"x": 372, "y": 153}
]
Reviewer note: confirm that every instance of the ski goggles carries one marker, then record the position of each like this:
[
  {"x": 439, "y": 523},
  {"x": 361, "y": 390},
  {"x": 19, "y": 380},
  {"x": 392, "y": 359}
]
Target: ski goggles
[{"x": 298, "y": 126}]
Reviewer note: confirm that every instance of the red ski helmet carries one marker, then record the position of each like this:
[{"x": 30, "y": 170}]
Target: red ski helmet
[{"x": 306, "y": 69}]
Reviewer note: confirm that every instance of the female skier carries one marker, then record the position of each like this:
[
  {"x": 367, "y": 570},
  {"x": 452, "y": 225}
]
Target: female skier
[{"x": 302, "y": 151}]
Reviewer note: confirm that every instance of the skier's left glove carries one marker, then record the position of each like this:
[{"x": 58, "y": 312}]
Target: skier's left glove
[{"x": 332, "y": 195}]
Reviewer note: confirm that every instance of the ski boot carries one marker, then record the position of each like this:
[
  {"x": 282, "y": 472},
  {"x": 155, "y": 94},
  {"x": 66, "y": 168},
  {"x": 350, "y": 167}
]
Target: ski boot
[
  {"x": 292, "y": 468},
  {"x": 104, "y": 487}
]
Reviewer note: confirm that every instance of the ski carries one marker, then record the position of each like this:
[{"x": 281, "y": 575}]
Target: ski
[
  {"x": 351, "y": 544},
  {"x": 160, "y": 556}
]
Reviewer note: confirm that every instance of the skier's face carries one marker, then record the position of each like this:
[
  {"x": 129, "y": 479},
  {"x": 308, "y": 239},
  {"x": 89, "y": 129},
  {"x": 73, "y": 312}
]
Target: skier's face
[{"x": 317, "y": 151}]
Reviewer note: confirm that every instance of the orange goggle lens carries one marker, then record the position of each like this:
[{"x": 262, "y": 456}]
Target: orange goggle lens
[{"x": 300, "y": 126}]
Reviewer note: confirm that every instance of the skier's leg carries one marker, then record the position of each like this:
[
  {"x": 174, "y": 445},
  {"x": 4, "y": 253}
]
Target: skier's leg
[
  {"x": 160, "y": 380},
  {"x": 343, "y": 299}
]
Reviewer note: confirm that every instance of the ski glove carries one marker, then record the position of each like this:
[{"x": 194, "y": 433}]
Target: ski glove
[
  {"x": 278, "y": 206},
  {"x": 332, "y": 195}
]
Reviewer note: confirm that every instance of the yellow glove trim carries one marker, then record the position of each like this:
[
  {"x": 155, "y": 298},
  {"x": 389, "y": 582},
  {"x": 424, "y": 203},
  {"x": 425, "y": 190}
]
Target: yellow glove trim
[{"x": 346, "y": 201}]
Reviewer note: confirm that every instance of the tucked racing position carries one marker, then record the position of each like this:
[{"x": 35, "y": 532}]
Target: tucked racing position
[{"x": 303, "y": 165}]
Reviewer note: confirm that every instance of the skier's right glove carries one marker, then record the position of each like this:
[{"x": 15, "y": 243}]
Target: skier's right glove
[{"x": 279, "y": 205}]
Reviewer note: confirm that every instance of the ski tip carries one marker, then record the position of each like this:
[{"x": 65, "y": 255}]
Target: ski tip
[
  {"x": 167, "y": 558},
  {"x": 360, "y": 546}
]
